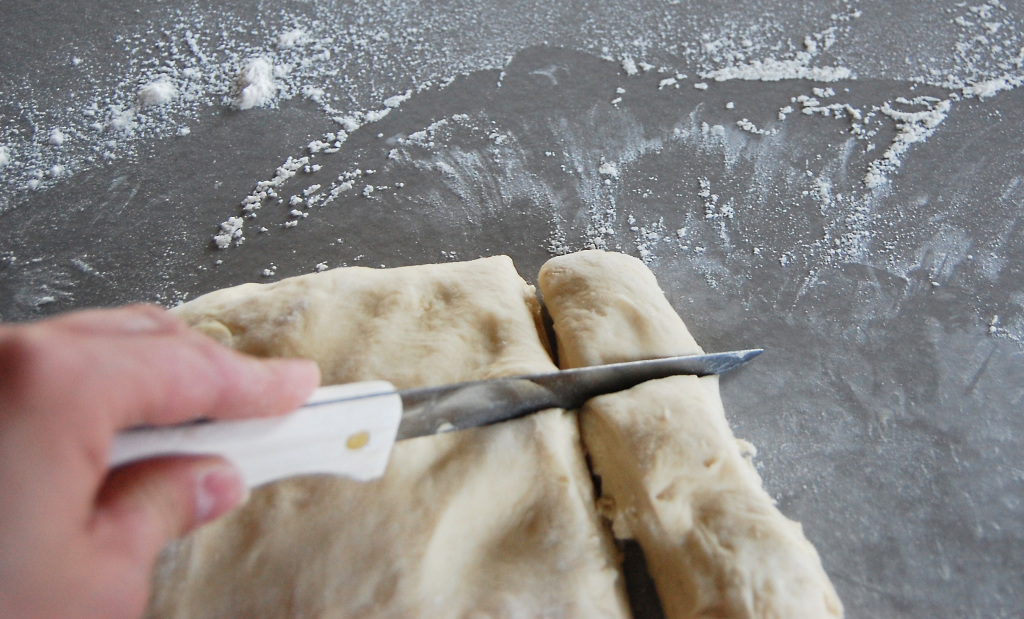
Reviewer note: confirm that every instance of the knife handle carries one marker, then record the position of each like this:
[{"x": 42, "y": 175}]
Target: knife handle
[{"x": 341, "y": 430}]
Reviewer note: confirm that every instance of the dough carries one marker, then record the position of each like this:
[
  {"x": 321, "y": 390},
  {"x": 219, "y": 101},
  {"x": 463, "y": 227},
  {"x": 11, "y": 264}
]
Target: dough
[
  {"x": 672, "y": 475},
  {"x": 492, "y": 522}
]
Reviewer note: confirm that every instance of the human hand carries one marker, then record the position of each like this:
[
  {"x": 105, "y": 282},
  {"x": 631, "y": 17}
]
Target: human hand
[{"x": 76, "y": 541}]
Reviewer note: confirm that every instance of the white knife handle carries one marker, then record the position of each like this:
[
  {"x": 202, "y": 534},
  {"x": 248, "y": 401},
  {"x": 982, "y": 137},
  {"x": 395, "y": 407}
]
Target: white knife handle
[{"x": 342, "y": 430}]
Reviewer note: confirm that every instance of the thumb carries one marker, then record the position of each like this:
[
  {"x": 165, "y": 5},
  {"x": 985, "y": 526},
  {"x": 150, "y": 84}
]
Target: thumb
[{"x": 143, "y": 506}]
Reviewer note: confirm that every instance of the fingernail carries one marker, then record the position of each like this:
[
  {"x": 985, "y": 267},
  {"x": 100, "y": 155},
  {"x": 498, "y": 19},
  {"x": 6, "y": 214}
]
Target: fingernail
[
  {"x": 132, "y": 320},
  {"x": 141, "y": 323},
  {"x": 218, "y": 489}
]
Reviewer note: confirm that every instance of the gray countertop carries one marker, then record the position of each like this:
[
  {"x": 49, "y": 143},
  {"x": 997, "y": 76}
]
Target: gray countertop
[{"x": 887, "y": 409}]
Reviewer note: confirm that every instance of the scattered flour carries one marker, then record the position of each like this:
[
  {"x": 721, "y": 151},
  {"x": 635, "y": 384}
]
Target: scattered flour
[
  {"x": 376, "y": 115},
  {"x": 397, "y": 100},
  {"x": 746, "y": 125},
  {"x": 160, "y": 91},
  {"x": 712, "y": 210},
  {"x": 811, "y": 105},
  {"x": 256, "y": 86},
  {"x": 608, "y": 169},
  {"x": 230, "y": 233},
  {"x": 772, "y": 70},
  {"x": 358, "y": 75},
  {"x": 292, "y": 38},
  {"x": 912, "y": 128},
  {"x": 989, "y": 88},
  {"x": 207, "y": 56}
]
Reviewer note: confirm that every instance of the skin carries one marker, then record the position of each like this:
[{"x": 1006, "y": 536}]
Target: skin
[{"x": 77, "y": 540}]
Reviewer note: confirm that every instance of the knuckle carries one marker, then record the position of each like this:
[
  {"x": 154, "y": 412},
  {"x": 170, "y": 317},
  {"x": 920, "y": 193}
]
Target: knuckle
[
  {"x": 152, "y": 503},
  {"x": 24, "y": 359}
]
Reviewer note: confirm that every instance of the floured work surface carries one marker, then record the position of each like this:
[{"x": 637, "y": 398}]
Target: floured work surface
[{"x": 498, "y": 521}]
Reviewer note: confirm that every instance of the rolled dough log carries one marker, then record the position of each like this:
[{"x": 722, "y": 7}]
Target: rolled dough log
[
  {"x": 495, "y": 522},
  {"x": 672, "y": 475}
]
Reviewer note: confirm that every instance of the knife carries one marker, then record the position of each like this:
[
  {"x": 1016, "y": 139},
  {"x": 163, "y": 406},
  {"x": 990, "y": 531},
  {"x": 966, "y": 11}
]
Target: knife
[{"x": 350, "y": 429}]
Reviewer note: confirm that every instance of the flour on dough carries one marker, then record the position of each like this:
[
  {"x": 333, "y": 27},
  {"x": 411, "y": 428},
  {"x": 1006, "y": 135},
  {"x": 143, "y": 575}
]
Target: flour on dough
[
  {"x": 672, "y": 474},
  {"x": 491, "y": 522}
]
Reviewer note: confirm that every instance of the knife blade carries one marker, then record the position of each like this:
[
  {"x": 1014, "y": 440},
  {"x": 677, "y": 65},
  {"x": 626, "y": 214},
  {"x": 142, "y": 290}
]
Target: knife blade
[{"x": 350, "y": 429}]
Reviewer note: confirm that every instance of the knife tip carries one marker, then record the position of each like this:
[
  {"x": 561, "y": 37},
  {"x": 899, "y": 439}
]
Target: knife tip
[{"x": 751, "y": 353}]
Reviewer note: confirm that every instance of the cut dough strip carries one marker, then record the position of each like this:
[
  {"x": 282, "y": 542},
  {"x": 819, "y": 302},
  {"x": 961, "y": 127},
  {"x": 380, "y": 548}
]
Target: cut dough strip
[{"x": 673, "y": 476}]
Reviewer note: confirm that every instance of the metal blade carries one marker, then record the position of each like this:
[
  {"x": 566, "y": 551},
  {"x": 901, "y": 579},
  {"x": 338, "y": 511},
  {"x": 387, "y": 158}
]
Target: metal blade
[{"x": 432, "y": 410}]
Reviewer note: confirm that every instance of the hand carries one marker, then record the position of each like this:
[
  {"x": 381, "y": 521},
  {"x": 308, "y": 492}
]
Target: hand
[{"x": 76, "y": 541}]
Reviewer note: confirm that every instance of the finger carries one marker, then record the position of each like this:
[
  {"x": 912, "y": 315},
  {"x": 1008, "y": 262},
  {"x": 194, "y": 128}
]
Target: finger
[
  {"x": 130, "y": 320},
  {"x": 143, "y": 506},
  {"x": 185, "y": 378},
  {"x": 156, "y": 377},
  {"x": 64, "y": 395}
]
